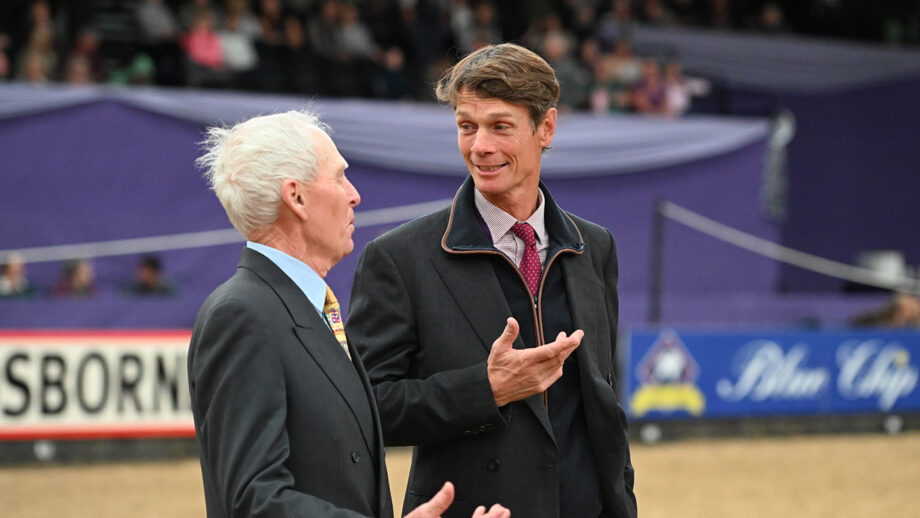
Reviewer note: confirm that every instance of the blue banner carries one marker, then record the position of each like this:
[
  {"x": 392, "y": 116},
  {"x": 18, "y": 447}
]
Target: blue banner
[{"x": 680, "y": 374}]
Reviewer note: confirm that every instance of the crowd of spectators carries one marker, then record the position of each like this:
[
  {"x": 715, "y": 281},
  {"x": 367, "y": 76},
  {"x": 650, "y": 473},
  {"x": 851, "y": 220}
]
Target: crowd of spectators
[
  {"x": 78, "y": 279},
  {"x": 390, "y": 49}
]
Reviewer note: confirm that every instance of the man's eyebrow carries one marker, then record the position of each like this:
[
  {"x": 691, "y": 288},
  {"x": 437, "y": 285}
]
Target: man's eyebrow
[{"x": 491, "y": 116}]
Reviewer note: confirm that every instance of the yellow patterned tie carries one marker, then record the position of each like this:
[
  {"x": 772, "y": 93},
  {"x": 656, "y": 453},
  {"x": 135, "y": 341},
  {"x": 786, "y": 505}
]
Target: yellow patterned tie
[{"x": 333, "y": 314}]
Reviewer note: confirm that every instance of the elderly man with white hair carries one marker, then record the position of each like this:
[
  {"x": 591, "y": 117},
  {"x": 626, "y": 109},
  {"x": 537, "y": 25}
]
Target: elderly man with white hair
[{"x": 285, "y": 418}]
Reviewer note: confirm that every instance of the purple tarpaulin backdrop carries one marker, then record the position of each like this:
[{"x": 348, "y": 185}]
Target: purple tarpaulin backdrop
[{"x": 106, "y": 169}]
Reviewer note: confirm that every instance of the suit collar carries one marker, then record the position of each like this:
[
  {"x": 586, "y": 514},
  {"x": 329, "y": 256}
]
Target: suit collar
[{"x": 465, "y": 233}]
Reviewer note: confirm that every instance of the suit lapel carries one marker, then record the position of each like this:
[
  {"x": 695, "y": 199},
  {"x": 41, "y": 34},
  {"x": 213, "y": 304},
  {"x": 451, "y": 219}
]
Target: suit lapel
[
  {"x": 318, "y": 341},
  {"x": 321, "y": 344}
]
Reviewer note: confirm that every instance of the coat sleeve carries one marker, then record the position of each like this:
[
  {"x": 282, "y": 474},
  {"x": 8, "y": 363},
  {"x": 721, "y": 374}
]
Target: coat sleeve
[
  {"x": 611, "y": 275},
  {"x": 446, "y": 405},
  {"x": 239, "y": 402}
]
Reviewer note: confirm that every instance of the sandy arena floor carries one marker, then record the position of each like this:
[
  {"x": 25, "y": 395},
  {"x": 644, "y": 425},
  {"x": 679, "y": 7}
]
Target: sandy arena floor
[{"x": 808, "y": 476}]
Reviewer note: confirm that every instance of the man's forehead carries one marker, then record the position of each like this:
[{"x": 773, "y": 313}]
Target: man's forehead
[{"x": 489, "y": 106}]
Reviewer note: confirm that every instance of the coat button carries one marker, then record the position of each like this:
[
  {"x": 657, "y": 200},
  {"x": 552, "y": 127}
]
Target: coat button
[
  {"x": 610, "y": 379},
  {"x": 494, "y": 464},
  {"x": 355, "y": 456}
]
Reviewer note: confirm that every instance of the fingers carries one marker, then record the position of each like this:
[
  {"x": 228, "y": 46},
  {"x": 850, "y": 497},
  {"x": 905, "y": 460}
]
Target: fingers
[
  {"x": 442, "y": 500},
  {"x": 506, "y": 339},
  {"x": 497, "y": 511},
  {"x": 562, "y": 347}
]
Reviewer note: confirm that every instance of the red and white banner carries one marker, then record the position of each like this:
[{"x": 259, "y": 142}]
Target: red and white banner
[{"x": 94, "y": 384}]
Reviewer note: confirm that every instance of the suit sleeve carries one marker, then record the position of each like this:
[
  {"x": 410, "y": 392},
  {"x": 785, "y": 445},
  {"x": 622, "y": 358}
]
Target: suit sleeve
[
  {"x": 382, "y": 325},
  {"x": 611, "y": 275},
  {"x": 239, "y": 399}
]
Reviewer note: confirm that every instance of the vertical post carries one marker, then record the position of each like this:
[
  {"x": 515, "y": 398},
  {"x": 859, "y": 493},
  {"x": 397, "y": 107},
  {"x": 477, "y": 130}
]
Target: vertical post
[{"x": 656, "y": 271}]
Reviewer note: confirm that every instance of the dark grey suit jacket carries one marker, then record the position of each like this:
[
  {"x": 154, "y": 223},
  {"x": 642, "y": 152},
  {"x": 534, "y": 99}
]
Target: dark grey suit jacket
[
  {"x": 286, "y": 424},
  {"x": 426, "y": 306}
]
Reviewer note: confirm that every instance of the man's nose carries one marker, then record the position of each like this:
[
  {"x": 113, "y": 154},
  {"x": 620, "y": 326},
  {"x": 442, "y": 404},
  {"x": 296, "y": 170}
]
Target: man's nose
[
  {"x": 482, "y": 142},
  {"x": 354, "y": 197}
]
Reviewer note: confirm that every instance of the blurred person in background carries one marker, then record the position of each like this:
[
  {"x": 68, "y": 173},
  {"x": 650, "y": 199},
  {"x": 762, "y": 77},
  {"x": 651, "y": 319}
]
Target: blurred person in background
[
  {"x": 38, "y": 60},
  {"x": 528, "y": 421},
  {"x": 160, "y": 31},
  {"x": 190, "y": 12},
  {"x": 149, "y": 278},
  {"x": 615, "y": 75},
  {"x": 903, "y": 311},
  {"x": 649, "y": 95},
  {"x": 87, "y": 47},
  {"x": 13, "y": 280},
  {"x": 284, "y": 414},
  {"x": 77, "y": 70},
  {"x": 77, "y": 279},
  {"x": 574, "y": 79},
  {"x": 204, "y": 52},
  {"x": 4, "y": 66},
  {"x": 141, "y": 70},
  {"x": 238, "y": 43}
]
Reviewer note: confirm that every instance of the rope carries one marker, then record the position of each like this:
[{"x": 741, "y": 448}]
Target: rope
[
  {"x": 205, "y": 238},
  {"x": 787, "y": 255}
]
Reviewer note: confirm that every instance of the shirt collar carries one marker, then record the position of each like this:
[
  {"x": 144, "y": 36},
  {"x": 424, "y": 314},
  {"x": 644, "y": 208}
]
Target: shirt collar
[
  {"x": 500, "y": 222},
  {"x": 309, "y": 282}
]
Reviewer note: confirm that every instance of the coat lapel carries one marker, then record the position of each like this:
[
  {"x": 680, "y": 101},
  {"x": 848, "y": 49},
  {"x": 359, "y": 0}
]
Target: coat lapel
[
  {"x": 472, "y": 283},
  {"x": 586, "y": 301}
]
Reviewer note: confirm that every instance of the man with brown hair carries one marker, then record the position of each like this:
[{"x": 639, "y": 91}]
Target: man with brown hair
[{"x": 533, "y": 425}]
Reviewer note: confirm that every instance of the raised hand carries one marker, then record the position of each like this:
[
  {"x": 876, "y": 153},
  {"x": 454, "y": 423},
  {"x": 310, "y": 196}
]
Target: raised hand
[{"x": 516, "y": 374}]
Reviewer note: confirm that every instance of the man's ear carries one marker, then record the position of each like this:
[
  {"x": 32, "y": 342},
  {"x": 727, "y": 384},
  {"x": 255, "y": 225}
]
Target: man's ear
[
  {"x": 547, "y": 128},
  {"x": 293, "y": 197}
]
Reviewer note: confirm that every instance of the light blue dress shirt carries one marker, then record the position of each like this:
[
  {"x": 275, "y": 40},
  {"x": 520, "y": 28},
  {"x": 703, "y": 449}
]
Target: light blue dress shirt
[{"x": 309, "y": 282}]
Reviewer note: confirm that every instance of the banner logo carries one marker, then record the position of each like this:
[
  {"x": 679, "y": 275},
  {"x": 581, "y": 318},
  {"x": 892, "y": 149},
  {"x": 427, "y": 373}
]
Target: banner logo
[{"x": 667, "y": 375}]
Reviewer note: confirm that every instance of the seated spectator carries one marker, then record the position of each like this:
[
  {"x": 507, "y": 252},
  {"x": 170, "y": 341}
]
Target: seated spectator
[
  {"x": 190, "y": 11},
  {"x": 301, "y": 72},
  {"x": 140, "y": 71},
  {"x": 902, "y": 312},
  {"x": 237, "y": 40},
  {"x": 38, "y": 60},
  {"x": 355, "y": 38},
  {"x": 648, "y": 95},
  {"x": 4, "y": 66},
  {"x": 615, "y": 25},
  {"x": 160, "y": 32},
  {"x": 391, "y": 81},
  {"x": 157, "y": 22},
  {"x": 149, "y": 279},
  {"x": 77, "y": 70},
  {"x": 87, "y": 47},
  {"x": 77, "y": 279},
  {"x": 654, "y": 12},
  {"x": 13, "y": 281},
  {"x": 615, "y": 76},
  {"x": 680, "y": 90},
  {"x": 204, "y": 53},
  {"x": 574, "y": 79}
]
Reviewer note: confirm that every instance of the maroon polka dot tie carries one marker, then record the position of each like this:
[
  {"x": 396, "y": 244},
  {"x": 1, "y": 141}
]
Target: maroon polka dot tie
[{"x": 530, "y": 262}]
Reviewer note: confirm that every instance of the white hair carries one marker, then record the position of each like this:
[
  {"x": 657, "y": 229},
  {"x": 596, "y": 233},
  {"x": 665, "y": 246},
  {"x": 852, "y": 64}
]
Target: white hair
[{"x": 246, "y": 164}]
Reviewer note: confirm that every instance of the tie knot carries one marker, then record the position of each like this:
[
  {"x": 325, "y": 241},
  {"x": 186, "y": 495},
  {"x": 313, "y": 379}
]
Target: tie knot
[
  {"x": 525, "y": 232},
  {"x": 330, "y": 298}
]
